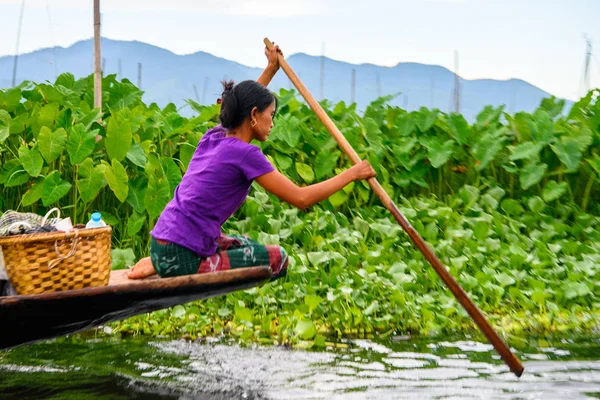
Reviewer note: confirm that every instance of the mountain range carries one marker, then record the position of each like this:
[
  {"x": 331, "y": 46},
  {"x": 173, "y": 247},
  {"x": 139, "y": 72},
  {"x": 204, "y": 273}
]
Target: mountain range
[{"x": 168, "y": 77}]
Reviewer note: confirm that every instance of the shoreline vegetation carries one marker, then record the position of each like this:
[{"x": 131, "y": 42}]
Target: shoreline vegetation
[{"x": 508, "y": 203}]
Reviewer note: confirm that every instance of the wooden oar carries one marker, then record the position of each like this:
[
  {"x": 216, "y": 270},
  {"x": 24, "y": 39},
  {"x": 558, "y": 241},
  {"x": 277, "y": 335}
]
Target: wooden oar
[{"x": 509, "y": 358}]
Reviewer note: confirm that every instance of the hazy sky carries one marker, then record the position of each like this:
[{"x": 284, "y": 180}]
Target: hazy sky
[{"x": 540, "y": 41}]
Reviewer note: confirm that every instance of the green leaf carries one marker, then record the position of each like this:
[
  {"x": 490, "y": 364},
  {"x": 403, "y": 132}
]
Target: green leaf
[
  {"x": 13, "y": 174},
  {"x": 536, "y": 204},
  {"x": 117, "y": 179},
  {"x": 426, "y": 118},
  {"x": 527, "y": 151},
  {"x": 283, "y": 161},
  {"x": 568, "y": 152},
  {"x": 338, "y": 198},
  {"x": 532, "y": 174},
  {"x": 439, "y": 153},
  {"x": 504, "y": 279},
  {"x": 305, "y": 171},
  {"x": 554, "y": 190},
  {"x": 157, "y": 195},
  {"x": 305, "y": 329},
  {"x": 31, "y": 160},
  {"x": 118, "y": 137},
  {"x": 137, "y": 155},
  {"x": 186, "y": 152},
  {"x": 90, "y": 181},
  {"x": 178, "y": 311},
  {"x": 312, "y": 301},
  {"x": 4, "y": 125},
  {"x": 51, "y": 144},
  {"x": 81, "y": 143},
  {"x": 486, "y": 149},
  {"x": 54, "y": 189},
  {"x": 122, "y": 258},
  {"x": 244, "y": 314},
  {"x": 135, "y": 223},
  {"x": 137, "y": 192},
  {"x": 325, "y": 162},
  {"x": 460, "y": 129},
  {"x": 33, "y": 194}
]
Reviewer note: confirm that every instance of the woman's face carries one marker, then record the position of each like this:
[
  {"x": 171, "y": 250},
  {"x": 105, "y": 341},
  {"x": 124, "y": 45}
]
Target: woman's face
[{"x": 264, "y": 122}]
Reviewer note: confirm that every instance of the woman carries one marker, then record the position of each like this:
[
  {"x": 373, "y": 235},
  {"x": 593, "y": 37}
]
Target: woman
[{"x": 187, "y": 238}]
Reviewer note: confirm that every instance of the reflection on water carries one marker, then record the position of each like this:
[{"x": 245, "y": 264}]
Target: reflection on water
[{"x": 420, "y": 369}]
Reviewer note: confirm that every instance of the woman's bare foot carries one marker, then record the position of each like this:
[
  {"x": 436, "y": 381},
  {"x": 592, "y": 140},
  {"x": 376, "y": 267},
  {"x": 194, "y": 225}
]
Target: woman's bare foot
[{"x": 142, "y": 269}]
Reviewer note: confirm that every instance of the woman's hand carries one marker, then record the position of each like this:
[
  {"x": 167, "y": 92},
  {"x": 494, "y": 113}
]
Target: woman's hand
[
  {"x": 362, "y": 170},
  {"x": 272, "y": 56}
]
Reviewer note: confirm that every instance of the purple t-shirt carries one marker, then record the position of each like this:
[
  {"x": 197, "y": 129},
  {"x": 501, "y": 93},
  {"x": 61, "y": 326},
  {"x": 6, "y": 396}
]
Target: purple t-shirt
[{"x": 214, "y": 186}]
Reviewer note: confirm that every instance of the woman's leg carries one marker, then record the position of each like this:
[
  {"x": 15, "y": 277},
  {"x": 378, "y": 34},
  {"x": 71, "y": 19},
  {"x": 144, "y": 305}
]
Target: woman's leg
[{"x": 240, "y": 252}]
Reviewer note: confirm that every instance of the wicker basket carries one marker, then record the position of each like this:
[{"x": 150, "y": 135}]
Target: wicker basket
[{"x": 56, "y": 261}]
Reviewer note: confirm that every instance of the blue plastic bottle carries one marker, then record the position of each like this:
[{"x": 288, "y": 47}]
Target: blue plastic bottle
[{"x": 96, "y": 221}]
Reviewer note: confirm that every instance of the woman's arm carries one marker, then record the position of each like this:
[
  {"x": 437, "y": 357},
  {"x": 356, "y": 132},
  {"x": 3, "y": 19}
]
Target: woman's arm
[
  {"x": 303, "y": 197},
  {"x": 272, "y": 66}
]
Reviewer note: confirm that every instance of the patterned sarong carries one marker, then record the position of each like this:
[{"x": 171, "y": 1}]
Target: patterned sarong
[{"x": 233, "y": 252}]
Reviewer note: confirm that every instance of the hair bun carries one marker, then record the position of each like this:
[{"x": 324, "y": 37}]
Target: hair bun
[{"x": 227, "y": 86}]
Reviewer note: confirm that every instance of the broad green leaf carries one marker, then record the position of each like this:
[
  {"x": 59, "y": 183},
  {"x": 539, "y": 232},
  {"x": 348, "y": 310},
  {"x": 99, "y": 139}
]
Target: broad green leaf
[
  {"x": 439, "y": 153},
  {"x": 137, "y": 192},
  {"x": 568, "y": 152},
  {"x": 325, "y": 162},
  {"x": 527, "y": 151},
  {"x": 244, "y": 314},
  {"x": 81, "y": 143},
  {"x": 90, "y": 181},
  {"x": 305, "y": 329},
  {"x": 51, "y": 144},
  {"x": 118, "y": 137},
  {"x": 33, "y": 194},
  {"x": 284, "y": 161},
  {"x": 554, "y": 190},
  {"x": 122, "y": 258},
  {"x": 54, "y": 189},
  {"x": 504, "y": 279},
  {"x": 305, "y": 171},
  {"x": 172, "y": 171},
  {"x": 4, "y": 125},
  {"x": 135, "y": 223},
  {"x": 486, "y": 149},
  {"x": 460, "y": 129},
  {"x": 157, "y": 195},
  {"x": 532, "y": 174},
  {"x": 338, "y": 198},
  {"x": 31, "y": 160},
  {"x": 536, "y": 204},
  {"x": 137, "y": 155},
  {"x": 426, "y": 118},
  {"x": 13, "y": 174},
  {"x": 186, "y": 152},
  {"x": 117, "y": 179},
  {"x": 178, "y": 311},
  {"x": 312, "y": 301}
]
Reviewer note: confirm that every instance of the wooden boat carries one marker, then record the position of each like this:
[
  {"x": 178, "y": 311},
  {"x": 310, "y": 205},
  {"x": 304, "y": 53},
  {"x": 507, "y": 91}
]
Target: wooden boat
[{"x": 31, "y": 318}]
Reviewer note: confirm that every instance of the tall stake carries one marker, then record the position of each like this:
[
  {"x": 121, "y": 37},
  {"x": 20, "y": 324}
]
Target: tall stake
[
  {"x": 15, "y": 61},
  {"x": 458, "y": 292},
  {"x": 97, "y": 58},
  {"x": 456, "y": 85},
  {"x": 353, "y": 87}
]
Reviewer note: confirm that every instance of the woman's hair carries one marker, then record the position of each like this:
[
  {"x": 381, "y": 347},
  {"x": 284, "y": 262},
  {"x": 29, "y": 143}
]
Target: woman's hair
[{"x": 237, "y": 101}]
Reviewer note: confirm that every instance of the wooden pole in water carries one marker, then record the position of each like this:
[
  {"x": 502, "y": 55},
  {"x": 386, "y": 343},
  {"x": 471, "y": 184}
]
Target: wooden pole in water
[
  {"x": 97, "y": 59},
  {"x": 509, "y": 358}
]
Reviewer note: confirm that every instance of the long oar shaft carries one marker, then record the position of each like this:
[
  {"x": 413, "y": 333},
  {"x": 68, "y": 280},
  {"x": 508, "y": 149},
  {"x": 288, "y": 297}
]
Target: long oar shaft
[{"x": 509, "y": 358}]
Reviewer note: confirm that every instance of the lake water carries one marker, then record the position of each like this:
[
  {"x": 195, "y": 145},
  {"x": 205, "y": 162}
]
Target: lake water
[{"x": 396, "y": 368}]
